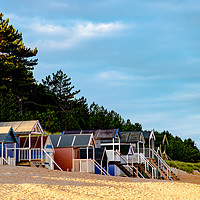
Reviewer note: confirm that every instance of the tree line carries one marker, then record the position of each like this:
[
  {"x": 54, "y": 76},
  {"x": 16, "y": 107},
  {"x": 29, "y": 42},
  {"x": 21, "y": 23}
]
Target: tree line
[
  {"x": 54, "y": 101},
  {"x": 176, "y": 148}
]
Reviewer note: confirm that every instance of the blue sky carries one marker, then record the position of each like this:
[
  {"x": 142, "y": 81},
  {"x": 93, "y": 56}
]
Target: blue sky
[{"x": 139, "y": 58}]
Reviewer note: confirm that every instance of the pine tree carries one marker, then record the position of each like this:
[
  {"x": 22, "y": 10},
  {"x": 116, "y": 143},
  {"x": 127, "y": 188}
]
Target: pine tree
[
  {"x": 15, "y": 63},
  {"x": 60, "y": 85}
]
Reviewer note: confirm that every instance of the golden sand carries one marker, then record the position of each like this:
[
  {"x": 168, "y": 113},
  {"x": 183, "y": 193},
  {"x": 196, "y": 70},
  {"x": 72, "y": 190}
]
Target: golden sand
[{"x": 37, "y": 183}]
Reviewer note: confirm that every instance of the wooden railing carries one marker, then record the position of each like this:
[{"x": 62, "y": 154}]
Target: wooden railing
[
  {"x": 29, "y": 154},
  {"x": 100, "y": 167},
  {"x": 148, "y": 166},
  {"x": 131, "y": 167},
  {"x": 161, "y": 163},
  {"x": 176, "y": 169}
]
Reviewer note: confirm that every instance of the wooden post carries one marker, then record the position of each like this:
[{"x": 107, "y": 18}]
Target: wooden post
[
  {"x": 93, "y": 157},
  {"x": 73, "y": 160},
  {"x": 137, "y": 172},
  {"x": 87, "y": 158},
  {"x": 2, "y": 150},
  {"x": 6, "y": 156},
  {"x": 143, "y": 149},
  {"x": 19, "y": 154},
  {"x": 93, "y": 149},
  {"x": 149, "y": 147},
  {"x": 15, "y": 152},
  {"x": 138, "y": 150},
  {"x": 119, "y": 144},
  {"x": 29, "y": 146},
  {"x": 41, "y": 147},
  {"x": 101, "y": 166},
  {"x": 107, "y": 165},
  {"x": 113, "y": 150},
  {"x": 153, "y": 148}
]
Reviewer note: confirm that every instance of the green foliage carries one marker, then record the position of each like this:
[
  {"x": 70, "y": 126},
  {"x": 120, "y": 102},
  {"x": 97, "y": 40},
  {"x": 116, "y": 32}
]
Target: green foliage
[
  {"x": 177, "y": 149},
  {"x": 128, "y": 126},
  {"x": 60, "y": 85},
  {"x": 15, "y": 63},
  {"x": 49, "y": 121},
  {"x": 101, "y": 118},
  {"x": 9, "y": 107},
  {"x": 188, "y": 167}
]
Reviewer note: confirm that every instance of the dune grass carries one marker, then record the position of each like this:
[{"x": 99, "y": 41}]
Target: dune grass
[{"x": 188, "y": 167}]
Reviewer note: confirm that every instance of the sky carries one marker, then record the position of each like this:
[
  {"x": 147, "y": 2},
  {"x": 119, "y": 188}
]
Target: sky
[{"x": 139, "y": 58}]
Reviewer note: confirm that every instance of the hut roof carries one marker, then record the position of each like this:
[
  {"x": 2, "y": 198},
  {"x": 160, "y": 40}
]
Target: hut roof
[
  {"x": 107, "y": 134},
  {"x": 98, "y": 134},
  {"x": 7, "y": 135},
  {"x": 54, "y": 139},
  {"x": 146, "y": 134},
  {"x": 149, "y": 135},
  {"x": 73, "y": 140},
  {"x": 131, "y": 137},
  {"x": 24, "y": 127}
]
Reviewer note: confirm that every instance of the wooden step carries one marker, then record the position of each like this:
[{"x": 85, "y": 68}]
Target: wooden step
[
  {"x": 23, "y": 163},
  {"x": 146, "y": 172},
  {"x": 160, "y": 170},
  {"x": 120, "y": 166},
  {"x": 38, "y": 164},
  {"x": 174, "y": 176}
]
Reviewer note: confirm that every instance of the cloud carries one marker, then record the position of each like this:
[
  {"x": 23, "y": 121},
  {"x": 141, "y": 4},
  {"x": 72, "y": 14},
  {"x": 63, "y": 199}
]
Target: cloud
[
  {"x": 87, "y": 30},
  {"x": 69, "y": 33},
  {"x": 112, "y": 76},
  {"x": 57, "y": 36},
  {"x": 48, "y": 28}
]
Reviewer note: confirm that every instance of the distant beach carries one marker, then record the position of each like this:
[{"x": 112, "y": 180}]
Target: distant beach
[{"x": 38, "y": 183}]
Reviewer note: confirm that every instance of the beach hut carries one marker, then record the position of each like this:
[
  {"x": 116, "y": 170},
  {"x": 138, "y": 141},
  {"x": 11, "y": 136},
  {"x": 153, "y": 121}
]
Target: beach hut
[
  {"x": 132, "y": 142},
  {"x": 150, "y": 138},
  {"x": 35, "y": 145},
  {"x": 108, "y": 139},
  {"x": 163, "y": 147},
  {"x": 7, "y": 139},
  {"x": 27, "y": 129},
  {"x": 68, "y": 152}
]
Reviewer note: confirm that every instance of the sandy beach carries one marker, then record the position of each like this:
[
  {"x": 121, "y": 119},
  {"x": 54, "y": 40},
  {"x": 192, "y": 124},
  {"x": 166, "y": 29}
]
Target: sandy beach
[{"x": 37, "y": 183}]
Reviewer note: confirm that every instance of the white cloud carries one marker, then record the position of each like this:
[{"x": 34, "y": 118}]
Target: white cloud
[
  {"x": 56, "y": 36},
  {"x": 50, "y": 34},
  {"x": 113, "y": 76},
  {"x": 87, "y": 30},
  {"x": 48, "y": 28},
  {"x": 116, "y": 75}
]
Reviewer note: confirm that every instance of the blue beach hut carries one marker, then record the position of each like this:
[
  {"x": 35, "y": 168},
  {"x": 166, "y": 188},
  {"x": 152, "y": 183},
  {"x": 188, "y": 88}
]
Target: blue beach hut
[{"x": 8, "y": 141}]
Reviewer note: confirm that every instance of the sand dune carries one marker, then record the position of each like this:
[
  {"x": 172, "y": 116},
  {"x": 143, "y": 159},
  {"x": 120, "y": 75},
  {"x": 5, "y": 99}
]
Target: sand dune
[{"x": 36, "y": 183}]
